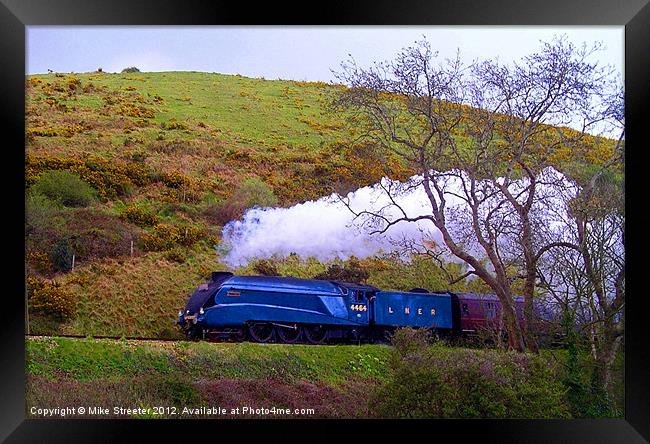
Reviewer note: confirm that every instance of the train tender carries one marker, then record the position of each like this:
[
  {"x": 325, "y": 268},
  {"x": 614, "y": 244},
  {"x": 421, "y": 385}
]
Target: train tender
[{"x": 290, "y": 310}]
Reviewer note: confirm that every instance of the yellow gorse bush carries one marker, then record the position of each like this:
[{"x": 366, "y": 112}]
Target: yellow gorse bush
[
  {"x": 139, "y": 216},
  {"x": 165, "y": 237},
  {"x": 50, "y": 299},
  {"x": 110, "y": 179}
]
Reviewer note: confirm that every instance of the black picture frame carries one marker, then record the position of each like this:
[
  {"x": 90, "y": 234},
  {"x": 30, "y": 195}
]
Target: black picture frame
[{"x": 15, "y": 15}]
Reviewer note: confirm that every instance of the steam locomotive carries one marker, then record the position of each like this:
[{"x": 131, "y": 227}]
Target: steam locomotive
[{"x": 292, "y": 310}]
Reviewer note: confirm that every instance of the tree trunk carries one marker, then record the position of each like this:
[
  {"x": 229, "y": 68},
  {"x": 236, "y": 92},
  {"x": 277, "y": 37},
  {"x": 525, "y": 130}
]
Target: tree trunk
[
  {"x": 529, "y": 315},
  {"x": 516, "y": 340}
]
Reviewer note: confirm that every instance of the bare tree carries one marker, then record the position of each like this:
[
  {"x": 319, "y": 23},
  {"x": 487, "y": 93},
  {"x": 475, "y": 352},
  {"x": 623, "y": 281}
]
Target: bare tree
[
  {"x": 479, "y": 165},
  {"x": 518, "y": 125},
  {"x": 413, "y": 108}
]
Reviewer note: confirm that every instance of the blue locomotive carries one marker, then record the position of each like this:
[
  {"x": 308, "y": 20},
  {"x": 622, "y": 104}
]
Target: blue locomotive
[{"x": 291, "y": 310}]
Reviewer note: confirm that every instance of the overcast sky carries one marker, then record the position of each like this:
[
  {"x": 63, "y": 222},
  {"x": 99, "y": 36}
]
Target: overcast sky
[{"x": 298, "y": 53}]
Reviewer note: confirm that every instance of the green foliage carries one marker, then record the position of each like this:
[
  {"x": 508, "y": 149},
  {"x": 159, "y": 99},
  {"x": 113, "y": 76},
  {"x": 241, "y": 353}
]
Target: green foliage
[
  {"x": 367, "y": 364},
  {"x": 130, "y": 69},
  {"x": 39, "y": 212},
  {"x": 254, "y": 192},
  {"x": 292, "y": 265},
  {"x": 65, "y": 187},
  {"x": 586, "y": 397},
  {"x": 438, "y": 382},
  {"x": 409, "y": 341},
  {"x": 392, "y": 272},
  {"x": 61, "y": 255},
  {"x": 174, "y": 389}
]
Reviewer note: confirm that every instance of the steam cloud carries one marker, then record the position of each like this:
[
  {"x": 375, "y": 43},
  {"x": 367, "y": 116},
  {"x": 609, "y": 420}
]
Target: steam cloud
[{"x": 326, "y": 229}]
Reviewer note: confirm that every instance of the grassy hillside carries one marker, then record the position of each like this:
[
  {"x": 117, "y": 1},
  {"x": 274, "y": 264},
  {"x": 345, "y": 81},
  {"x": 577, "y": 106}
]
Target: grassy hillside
[
  {"x": 336, "y": 381},
  {"x": 166, "y": 159},
  {"x": 213, "y": 127}
]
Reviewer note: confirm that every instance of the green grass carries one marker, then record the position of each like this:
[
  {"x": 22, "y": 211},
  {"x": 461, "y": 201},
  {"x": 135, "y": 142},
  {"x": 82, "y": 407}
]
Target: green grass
[
  {"x": 91, "y": 359},
  {"x": 341, "y": 380},
  {"x": 233, "y": 119}
]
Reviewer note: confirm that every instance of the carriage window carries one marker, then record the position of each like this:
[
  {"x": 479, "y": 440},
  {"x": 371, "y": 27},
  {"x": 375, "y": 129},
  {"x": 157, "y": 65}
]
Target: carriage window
[
  {"x": 358, "y": 296},
  {"x": 490, "y": 310},
  {"x": 465, "y": 310}
]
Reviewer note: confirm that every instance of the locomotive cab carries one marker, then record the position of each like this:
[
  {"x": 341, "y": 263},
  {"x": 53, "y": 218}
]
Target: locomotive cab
[{"x": 360, "y": 299}]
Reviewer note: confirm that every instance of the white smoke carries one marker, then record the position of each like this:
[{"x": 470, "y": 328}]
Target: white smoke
[{"x": 326, "y": 228}]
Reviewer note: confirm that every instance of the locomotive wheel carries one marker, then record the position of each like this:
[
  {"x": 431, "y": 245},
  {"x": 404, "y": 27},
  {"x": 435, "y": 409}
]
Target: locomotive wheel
[
  {"x": 315, "y": 334},
  {"x": 194, "y": 333},
  {"x": 289, "y": 335},
  {"x": 261, "y": 332},
  {"x": 239, "y": 335}
]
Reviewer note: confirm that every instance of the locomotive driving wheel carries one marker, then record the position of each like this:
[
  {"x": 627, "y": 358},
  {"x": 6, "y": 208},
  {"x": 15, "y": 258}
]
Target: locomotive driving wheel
[
  {"x": 194, "y": 333},
  {"x": 288, "y": 335},
  {"x": 239, "y": 335},
  {"x": 315, "y": 334},
  {"x": 261, "y": 332}
]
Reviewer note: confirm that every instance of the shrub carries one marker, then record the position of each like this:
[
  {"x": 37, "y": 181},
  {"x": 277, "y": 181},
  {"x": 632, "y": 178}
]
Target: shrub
[
  {"x": 173, "y": 124},
  {"x": 253, "y": 192},
  {"x": 175, "y": 146},
  {"x": 50, "y": 299},
  {"x": 440, "y": 382},
  {"x": 176, "y": 254},
  {"x": 39, "y": 212},
  {"x": 266, "y": 268},
  {"x": 131, "y": 110},
  {"x": 61, "y": 255},
  {"x": 352, "y": 271},
  {"x": 165, "y": 237},
  {"x": 65, "y": 187},
  {"x": 39, "y": 261},
  {"x": 110, "y": 179},
  {"x": 409, "y": 341},
  {"x": 139, "y": 156},
  {"x": 174, "y": 179},
  {"x": 130, "y": 69},
  {"x": 73, "y": 84},
  {"x": 139, "y": 216}
]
